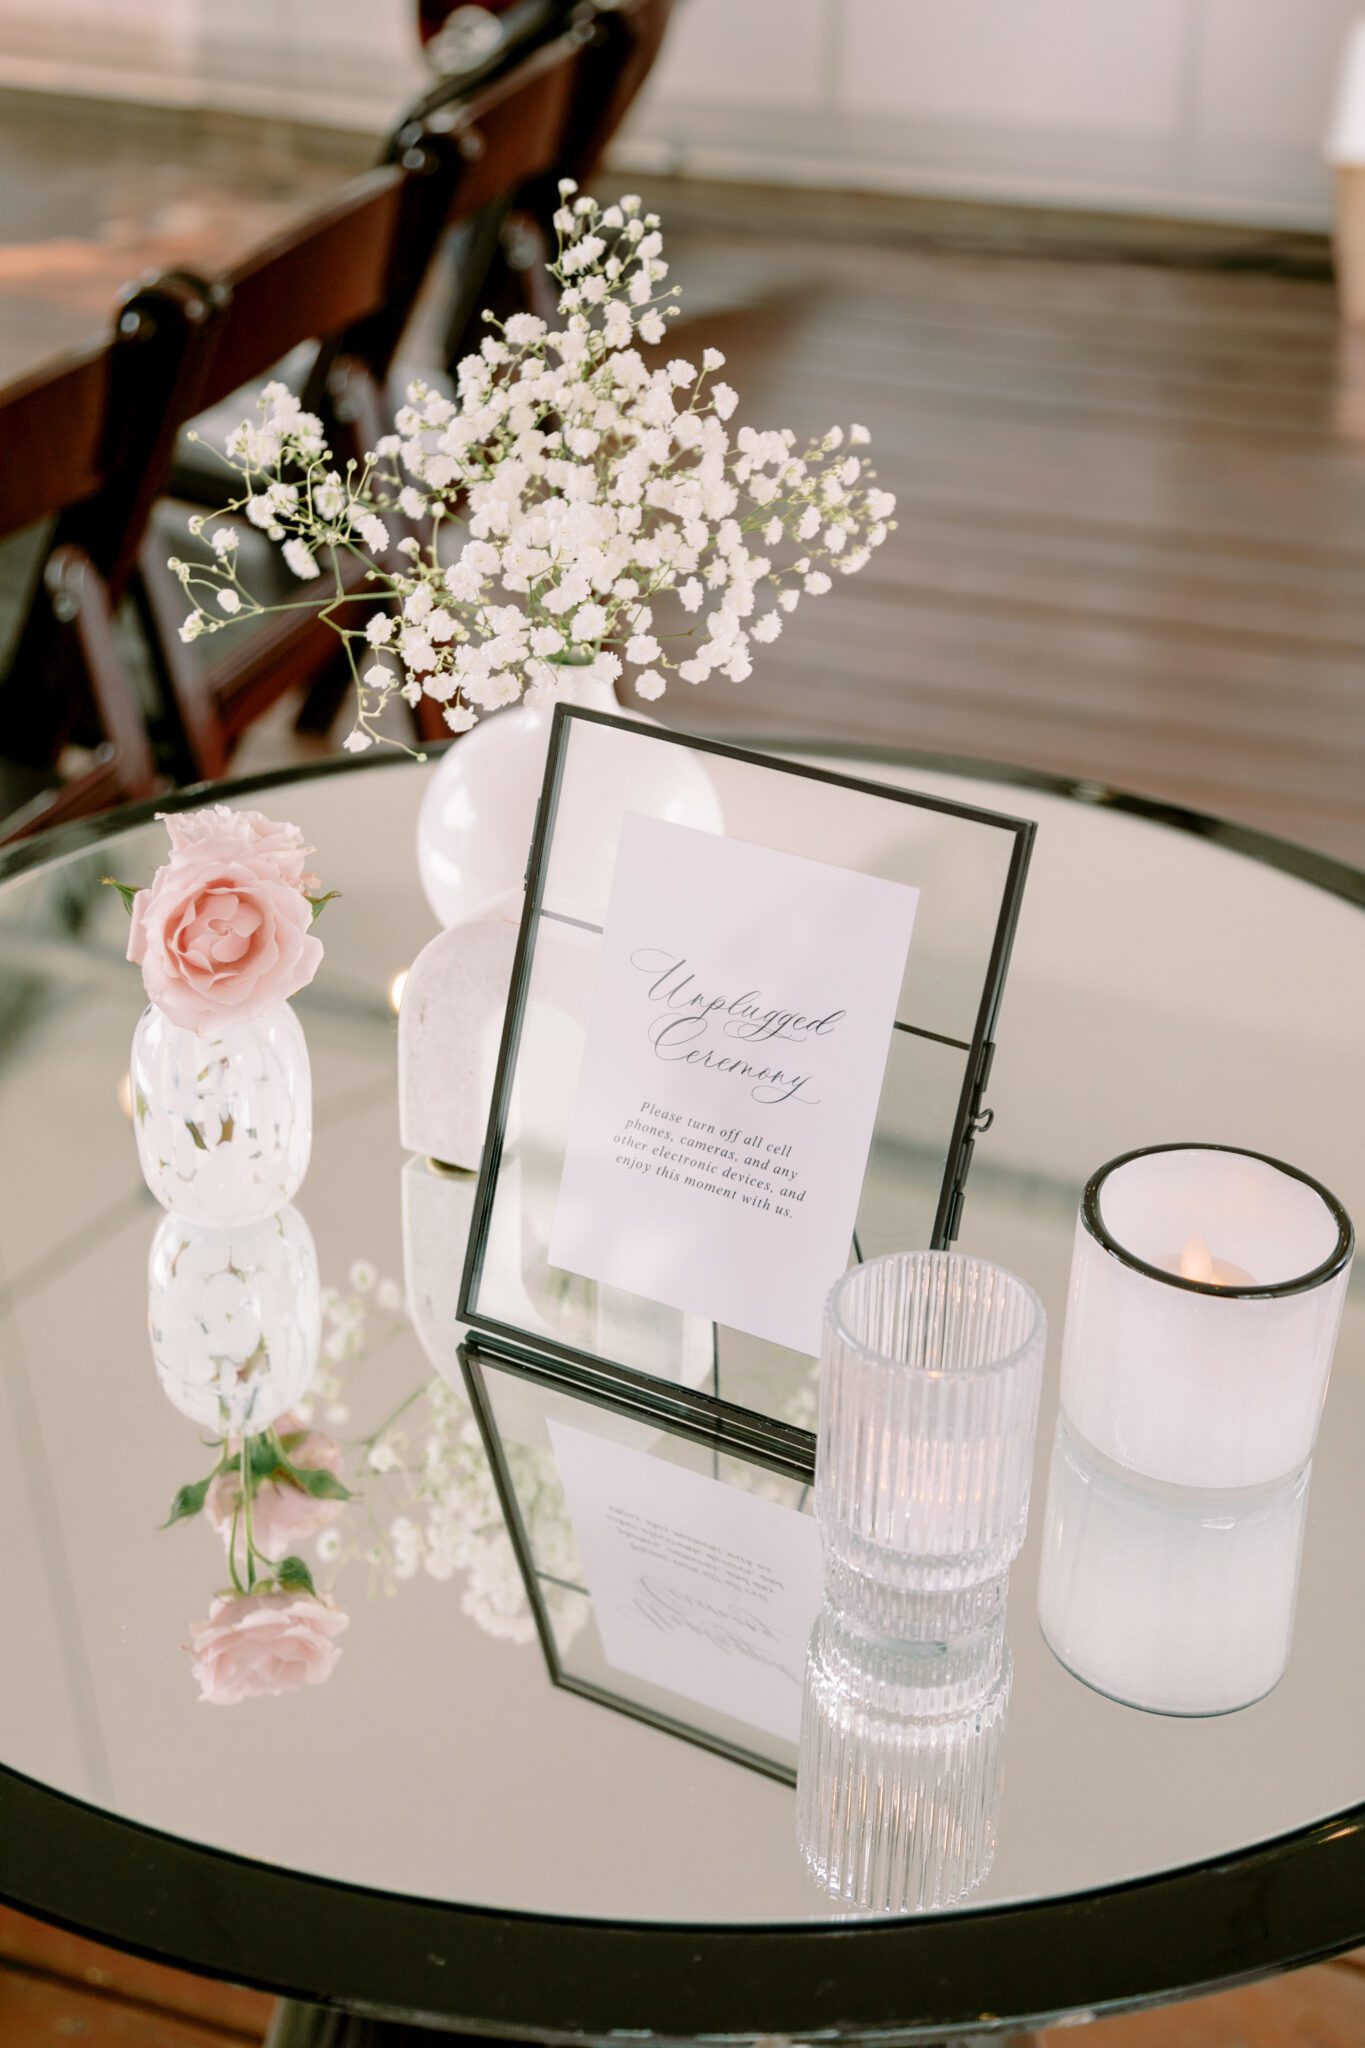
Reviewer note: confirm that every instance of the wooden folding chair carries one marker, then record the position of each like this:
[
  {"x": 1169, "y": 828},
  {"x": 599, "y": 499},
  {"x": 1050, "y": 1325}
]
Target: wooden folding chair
[
  {"x": 345, "y": 278},
  {"x": 503, "y": 259},
  {"x": 86, "y": 446},
  {"x": 349, "y": 278}
]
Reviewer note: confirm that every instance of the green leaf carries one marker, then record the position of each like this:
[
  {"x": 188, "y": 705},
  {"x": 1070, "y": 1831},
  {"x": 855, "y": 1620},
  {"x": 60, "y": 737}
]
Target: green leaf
[
  {"x": 293, "y": 1576},
  {"x": 263, "y": 1457},
  {"x": 320, "y": 1483},
  {"x": 126, "y": 891},
  {"x": 189, "y": 1501},
  {"x": 320, "y": 903}
]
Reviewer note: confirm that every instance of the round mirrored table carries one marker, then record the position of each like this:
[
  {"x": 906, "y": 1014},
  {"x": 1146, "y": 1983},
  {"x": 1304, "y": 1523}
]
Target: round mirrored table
[{"x": 446, "y": 1831}]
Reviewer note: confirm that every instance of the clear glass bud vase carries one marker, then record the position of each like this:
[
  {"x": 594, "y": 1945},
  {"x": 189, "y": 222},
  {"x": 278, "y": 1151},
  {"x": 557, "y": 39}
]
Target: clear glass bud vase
[{"x": 224, "y": 1117}]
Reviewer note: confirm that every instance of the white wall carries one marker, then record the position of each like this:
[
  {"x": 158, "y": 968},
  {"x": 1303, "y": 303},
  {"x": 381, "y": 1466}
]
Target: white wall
[
  {"x": 1209, "y": 108},
  {"x": 341, "y": 63}
]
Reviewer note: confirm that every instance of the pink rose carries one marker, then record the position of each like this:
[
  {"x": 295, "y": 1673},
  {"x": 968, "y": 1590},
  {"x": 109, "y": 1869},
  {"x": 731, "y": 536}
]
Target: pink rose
[
  {"x": 257, "y": 1644},
  {"x": 282, "y": 1514},
  {"x": 224, "y": 930},
  {"x": 219, "y": 833}
]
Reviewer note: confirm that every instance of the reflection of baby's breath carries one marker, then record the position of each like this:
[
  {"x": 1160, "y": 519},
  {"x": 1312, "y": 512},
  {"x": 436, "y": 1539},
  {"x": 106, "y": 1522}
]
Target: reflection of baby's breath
[{"x": 429, "y": 1501}]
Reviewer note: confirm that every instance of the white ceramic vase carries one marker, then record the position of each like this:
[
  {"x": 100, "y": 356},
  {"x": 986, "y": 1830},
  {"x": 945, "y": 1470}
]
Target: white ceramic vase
[
  {"x": 223, "y": 1117},
  {"x": 478, "y": 813},
  {"x": 235, "y": 1318}
]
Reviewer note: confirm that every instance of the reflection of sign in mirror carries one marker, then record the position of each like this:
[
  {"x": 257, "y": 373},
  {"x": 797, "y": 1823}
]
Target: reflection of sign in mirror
[
  {"x": 697, "y": 1586},
  {"x": 741, "y": 1020}
]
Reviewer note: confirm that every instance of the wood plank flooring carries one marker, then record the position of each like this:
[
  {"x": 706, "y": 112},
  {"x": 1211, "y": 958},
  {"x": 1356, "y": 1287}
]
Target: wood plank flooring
[
  {"x": 1130, "y": 458},
  {"x": 1131, "y": 543}
]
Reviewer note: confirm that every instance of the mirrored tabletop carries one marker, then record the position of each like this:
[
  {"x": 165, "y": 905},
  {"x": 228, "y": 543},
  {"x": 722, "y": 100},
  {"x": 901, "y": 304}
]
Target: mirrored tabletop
[{"x": 474, "y": 1759}]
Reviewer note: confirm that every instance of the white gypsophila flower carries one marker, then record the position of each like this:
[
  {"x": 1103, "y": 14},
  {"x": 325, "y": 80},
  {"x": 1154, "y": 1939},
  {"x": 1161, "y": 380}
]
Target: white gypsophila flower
[
  {"x": 356, "y": 741},
  {"x": 649, "y": 684},
  {"x": 229, "y": 601},
  {"x": 300, "y": 559},
  {"x": 372, "y": 531},
  {"x": 224, "y": 540},
  {"x": 567, "y": 487},
  {"x": 588, "y": 622}
]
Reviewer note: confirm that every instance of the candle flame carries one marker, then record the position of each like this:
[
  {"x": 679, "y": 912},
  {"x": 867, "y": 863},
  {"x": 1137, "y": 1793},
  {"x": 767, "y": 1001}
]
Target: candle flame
[{"x": 1196, "y": 1260}]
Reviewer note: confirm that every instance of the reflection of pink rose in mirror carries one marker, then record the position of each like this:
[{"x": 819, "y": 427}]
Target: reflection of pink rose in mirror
[
  {"x": 282, "y": 1514},
  {"x": 261, "y": 1644}
]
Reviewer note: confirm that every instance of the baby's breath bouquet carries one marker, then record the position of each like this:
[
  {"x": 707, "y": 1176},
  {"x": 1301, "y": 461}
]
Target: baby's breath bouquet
[{"x": 514, "y": 537}]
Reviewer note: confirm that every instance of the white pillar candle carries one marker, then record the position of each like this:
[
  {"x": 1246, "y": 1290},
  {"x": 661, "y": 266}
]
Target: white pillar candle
[
  {"x": 1206, "y": 1291},
  {"x": 1168, "y": 1598}
]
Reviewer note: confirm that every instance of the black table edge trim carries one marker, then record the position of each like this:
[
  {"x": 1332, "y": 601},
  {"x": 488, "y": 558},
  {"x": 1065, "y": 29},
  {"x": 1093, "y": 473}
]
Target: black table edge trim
[{"x": 1296, "y": 1899}]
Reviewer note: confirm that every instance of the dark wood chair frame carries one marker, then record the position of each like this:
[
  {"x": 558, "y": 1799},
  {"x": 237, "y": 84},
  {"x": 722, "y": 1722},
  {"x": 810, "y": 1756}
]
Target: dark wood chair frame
[
  {"x": 503, "y": 263},
  {"x": 85, "y": 446},
  {"x": 351, "y": 276}
]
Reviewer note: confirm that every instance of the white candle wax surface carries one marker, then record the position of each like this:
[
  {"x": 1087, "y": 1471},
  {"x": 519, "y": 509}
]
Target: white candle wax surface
[{"x": 1215, "y": 1382}]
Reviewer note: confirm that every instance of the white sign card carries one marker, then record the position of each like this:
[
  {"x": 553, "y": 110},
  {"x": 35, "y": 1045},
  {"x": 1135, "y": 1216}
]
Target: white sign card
[
  {"x": 737, "y": 1042},
  {"x": 697, "y": 1586}
]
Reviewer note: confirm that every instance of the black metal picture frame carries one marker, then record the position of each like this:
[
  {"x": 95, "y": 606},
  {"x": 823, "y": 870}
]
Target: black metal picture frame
[
  {"x": 473, "y": 1363},
  {"x": 970, "y": 1118}
]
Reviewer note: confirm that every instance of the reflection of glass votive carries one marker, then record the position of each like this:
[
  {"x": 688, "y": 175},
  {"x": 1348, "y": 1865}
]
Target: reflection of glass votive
[
  {"x": 929, "y": 1384},
  {"x": 899, "y": 1772},
  {"x": 1164, "y": 1597},
  {"x": 235, "y": 1318},
  {"x": 1206, "y": 1291}
]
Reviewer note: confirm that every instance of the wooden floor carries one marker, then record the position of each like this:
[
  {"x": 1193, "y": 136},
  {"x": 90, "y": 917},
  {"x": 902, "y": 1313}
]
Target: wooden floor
[
  {"x": 54, "y": 1987},
  {"x": 1132, "y": 512},
  {"x": 1131, "y": 465}
]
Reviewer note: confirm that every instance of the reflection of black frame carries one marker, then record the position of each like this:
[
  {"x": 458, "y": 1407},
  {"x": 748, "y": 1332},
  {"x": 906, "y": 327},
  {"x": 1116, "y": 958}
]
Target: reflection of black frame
[
  {"x": 791, "y": 1466},
  {"x": 979, "y": 1051}
]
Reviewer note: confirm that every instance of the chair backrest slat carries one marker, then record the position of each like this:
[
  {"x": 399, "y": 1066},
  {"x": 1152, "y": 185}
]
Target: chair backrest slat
[
  {"x": 52, "y": 439},
  {"x": 515, "y": 127},
  {"x": 330, "y": 273}
]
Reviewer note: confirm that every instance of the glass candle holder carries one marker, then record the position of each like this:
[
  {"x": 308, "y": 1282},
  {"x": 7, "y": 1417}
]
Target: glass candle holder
[
  {"x": 1207, "y": 1286},
  {"x": 899, "y": 1770},
  {"x": 1167, "y": 1597},
  {"x": 929, "y": 1381}
]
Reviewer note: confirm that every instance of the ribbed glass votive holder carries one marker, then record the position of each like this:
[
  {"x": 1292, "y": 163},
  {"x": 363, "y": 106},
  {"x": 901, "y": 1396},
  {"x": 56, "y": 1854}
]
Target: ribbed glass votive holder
[
  {"x": 899, "y": 1771},
  {"x": 929, "y": 1380}
]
